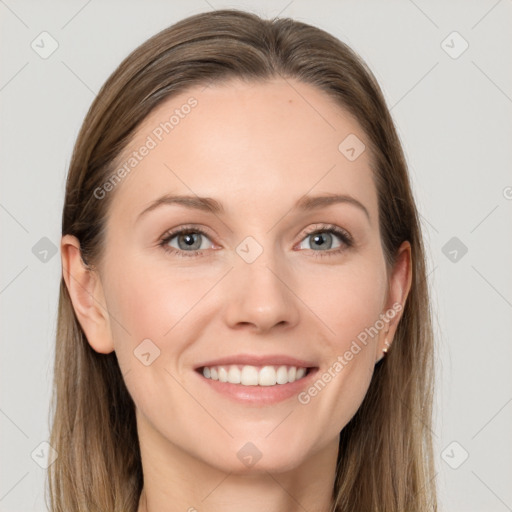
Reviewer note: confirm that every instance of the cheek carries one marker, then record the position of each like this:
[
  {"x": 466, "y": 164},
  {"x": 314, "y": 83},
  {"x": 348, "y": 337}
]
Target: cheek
[
  {"x": 349, "y": 299},
  {"x": 151, "y": 324},
  {"x": 146, "y": 302},
  {"x": 150, "y": 300},
  {"x": 349, "y": 302}
]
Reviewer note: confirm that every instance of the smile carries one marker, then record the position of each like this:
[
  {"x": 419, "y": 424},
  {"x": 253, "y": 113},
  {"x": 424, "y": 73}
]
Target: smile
[{"x": 248, "y": 375}]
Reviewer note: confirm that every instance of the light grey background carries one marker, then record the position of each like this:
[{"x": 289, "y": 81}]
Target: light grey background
[{"x": 453, "y": 116}]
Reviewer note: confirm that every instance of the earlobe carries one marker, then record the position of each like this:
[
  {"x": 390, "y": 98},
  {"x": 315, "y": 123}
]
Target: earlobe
[{"x": 86, "y": 293}]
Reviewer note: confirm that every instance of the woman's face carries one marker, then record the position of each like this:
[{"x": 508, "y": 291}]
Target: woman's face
[{"x": 259, "y": 287}]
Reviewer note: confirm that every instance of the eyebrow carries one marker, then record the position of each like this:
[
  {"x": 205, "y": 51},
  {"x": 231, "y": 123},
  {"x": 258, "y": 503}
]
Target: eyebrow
[{"x": 209, "y": 205}]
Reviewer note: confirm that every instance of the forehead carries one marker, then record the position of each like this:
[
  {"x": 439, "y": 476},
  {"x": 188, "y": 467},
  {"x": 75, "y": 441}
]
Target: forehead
[{"x": 264, "y": 144}]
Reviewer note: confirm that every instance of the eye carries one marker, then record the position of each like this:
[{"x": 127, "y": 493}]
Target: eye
[
  {"x": 189, "y": 241},
  {"x": 327, "y": 240},
  {"x": 185, "y": 241}
]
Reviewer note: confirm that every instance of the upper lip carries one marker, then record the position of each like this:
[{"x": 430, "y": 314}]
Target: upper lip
[{"x": 258, "y": 360}]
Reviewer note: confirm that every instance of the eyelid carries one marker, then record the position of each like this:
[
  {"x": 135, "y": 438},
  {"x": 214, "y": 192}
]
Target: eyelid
[{"x": 192, "y": 228}]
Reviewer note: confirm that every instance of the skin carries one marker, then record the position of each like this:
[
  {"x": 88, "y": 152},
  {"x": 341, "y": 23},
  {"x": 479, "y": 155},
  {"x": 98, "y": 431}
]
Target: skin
[{"x": 256, "y": 148}]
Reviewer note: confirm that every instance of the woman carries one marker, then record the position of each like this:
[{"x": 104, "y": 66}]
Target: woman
[{"x": 244, "y": 321}]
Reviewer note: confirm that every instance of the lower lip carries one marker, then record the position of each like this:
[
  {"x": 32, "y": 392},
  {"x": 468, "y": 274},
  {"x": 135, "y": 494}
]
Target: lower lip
[{"x": 260, "y": 395}]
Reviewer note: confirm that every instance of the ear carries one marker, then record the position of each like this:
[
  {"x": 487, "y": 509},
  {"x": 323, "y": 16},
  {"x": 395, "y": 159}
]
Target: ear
[
  {"x": 86, "y": 292},
  {"x": 399, "y": 285}
]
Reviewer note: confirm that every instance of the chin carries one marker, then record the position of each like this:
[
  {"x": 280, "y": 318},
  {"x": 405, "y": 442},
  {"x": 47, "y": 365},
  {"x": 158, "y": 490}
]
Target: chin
[{"x": 256, "y": 457}]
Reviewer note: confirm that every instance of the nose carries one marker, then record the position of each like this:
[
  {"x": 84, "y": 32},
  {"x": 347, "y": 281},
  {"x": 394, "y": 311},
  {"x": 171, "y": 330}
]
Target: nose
[{"x": 260, "y": 296}]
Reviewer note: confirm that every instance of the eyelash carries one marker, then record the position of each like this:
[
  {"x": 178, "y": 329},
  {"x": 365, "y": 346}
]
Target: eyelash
[{"x": 343, "y": 235}]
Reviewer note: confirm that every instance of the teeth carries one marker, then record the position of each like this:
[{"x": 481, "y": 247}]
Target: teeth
[
  {"x": 254, "y": 375},
  {"x": 249, "y": 376},
  {"x": 223, "y": 374},
  {"x": 282, "y": 375},
  {"x": 267, "y": 376},
  {"x": 234, "y": 375}
]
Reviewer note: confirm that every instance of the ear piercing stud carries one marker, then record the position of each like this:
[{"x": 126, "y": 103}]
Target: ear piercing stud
[{"x": 388, "y": 345}]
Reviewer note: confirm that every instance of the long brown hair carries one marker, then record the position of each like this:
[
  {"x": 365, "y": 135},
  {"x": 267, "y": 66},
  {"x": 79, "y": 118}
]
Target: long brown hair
[{"x": 385, "y": 461}]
